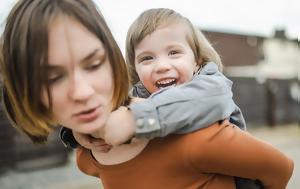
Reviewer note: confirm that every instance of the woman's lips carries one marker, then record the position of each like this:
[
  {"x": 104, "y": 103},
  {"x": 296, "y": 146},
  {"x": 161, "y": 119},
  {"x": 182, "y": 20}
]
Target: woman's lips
[{"x": 88, "y": 116}]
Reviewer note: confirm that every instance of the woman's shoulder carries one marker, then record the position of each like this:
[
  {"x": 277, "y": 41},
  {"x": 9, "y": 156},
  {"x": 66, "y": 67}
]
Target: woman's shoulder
[
  {"x": 207, "y": 140},
  {"x": 213, "y": 131}
]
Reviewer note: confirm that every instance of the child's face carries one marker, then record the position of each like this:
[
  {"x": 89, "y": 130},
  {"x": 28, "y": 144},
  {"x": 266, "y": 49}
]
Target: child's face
[
  {"x": 80, "y": 77},
  {"x": 164, "y": 58}
]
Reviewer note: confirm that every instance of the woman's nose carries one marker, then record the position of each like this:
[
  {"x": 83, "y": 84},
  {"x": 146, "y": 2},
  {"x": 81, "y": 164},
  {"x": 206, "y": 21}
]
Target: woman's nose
[{"x": 81, "y": 89}]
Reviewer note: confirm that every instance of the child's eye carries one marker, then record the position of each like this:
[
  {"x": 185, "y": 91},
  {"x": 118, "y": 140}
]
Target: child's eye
[
  {"x": 173, "y": 52},
  {"x": 145, "y": 58}
]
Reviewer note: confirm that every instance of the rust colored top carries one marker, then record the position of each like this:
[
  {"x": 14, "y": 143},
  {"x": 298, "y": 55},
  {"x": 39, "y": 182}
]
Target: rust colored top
[{"x": 189, "y": 162}]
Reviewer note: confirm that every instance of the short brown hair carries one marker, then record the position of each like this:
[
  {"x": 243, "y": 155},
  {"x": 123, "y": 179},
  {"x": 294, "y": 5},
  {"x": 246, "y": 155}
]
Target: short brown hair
[
  {"x": 25, "y": 55},
  {"x": 152, "y": 19}
]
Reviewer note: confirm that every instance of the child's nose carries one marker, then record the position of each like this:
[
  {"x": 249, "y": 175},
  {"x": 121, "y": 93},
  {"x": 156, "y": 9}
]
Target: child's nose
[{"x": 162, "y": 66}]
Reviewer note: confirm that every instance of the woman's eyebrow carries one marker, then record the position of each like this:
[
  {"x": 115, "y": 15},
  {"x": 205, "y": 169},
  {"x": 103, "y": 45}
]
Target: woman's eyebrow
[
  {"x": 90, "y": 55},
  {"x": 53, "y": 66}
]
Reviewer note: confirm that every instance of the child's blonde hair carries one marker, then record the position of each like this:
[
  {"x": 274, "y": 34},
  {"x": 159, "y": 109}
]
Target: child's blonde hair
[{"x": 151, "y": 20}]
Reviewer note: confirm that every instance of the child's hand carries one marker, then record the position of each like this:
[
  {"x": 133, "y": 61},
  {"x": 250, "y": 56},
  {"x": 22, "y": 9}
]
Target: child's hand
[
  {"x": 225, "y": 122},
  {"x": 91, "y": 143},
  {"x": 120, "y": 126}
]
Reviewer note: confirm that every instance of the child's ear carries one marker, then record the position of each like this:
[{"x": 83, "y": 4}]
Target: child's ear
[{"x": 197, "y": 67}]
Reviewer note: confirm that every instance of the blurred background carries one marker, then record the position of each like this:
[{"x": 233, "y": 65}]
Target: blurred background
[{"x": 258, "y": 41}]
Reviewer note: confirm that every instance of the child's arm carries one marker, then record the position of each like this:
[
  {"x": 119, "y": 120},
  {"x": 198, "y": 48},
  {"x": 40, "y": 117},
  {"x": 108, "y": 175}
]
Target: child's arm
[
  {"x": 188, "y": 107},
  {"x": 182, "y": 109},
  {"x": 226, "y": 149}
]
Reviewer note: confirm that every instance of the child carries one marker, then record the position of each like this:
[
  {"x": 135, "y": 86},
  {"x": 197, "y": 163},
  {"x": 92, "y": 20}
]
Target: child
[{"x": 50, "y": 79}]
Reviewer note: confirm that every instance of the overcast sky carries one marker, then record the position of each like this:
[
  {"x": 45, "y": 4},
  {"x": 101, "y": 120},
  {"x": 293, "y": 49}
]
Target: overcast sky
[{"x": 257, "y": 17}]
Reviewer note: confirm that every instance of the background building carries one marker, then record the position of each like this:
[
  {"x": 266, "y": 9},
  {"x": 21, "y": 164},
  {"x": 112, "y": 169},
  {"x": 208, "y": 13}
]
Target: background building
[{"x": 265, "y": 72}]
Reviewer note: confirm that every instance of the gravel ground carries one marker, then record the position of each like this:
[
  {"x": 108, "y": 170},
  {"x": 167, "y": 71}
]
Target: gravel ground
[{"x": 286, "y": 137}]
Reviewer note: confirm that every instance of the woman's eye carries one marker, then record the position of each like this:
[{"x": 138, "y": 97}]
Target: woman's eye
[
  {"x": 94, "y": 65},
  {"x": 54, "y": 78}
]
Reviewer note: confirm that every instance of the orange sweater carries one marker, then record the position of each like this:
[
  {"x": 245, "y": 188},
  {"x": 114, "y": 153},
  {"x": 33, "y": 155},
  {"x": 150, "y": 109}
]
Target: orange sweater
[{"x": 189, "y": 161}]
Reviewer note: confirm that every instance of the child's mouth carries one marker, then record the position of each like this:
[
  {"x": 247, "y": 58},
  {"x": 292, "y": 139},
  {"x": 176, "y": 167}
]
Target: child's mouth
[{"x": 166, "y": 83}]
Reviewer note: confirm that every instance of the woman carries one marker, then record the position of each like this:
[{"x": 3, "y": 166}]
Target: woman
[{"x": 61, "y": 65}]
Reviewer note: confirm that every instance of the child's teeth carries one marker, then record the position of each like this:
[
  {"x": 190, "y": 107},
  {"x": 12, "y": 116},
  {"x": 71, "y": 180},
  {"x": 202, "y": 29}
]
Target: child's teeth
[{"x": 166, "y": 83}]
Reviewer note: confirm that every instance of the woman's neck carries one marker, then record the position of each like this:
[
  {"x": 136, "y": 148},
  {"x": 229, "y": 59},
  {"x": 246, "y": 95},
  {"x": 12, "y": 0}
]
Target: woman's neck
[{"x": 121, "y": 153}]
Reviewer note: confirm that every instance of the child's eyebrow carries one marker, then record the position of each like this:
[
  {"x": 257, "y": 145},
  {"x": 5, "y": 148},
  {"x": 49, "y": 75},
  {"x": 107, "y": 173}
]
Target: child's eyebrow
[
  {"x": 142, "y": 53},
  {"x": 174, "y": 45}
]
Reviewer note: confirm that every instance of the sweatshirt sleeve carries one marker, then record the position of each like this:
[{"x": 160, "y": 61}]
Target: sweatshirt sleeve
[
  {"x": 229, "y": 150},
  {"x": 187, "y": 107}
]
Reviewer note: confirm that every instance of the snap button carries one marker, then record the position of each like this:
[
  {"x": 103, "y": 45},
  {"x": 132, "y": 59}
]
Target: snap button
[
  {"x": 151, "y": 121},
  {"x": 140, "y": 123}
]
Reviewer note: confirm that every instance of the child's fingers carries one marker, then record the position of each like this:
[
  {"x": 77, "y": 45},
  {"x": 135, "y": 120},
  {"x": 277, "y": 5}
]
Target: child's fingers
[
  {"x": 96, "y": 141},
  {"x": 102, "y": 148},
  {"x": 83, "y": 139},
  {"x": 100, "y": 145},
  {"x": 225, "y": 122}
]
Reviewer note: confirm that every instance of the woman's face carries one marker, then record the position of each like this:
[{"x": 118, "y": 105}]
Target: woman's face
[{"x": 80, "y": 77}]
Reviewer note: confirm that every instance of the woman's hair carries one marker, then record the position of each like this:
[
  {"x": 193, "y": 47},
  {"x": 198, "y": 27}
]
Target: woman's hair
[
  {"x": 24, "y": 56},
  {"x": 151, "y": 20}
]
